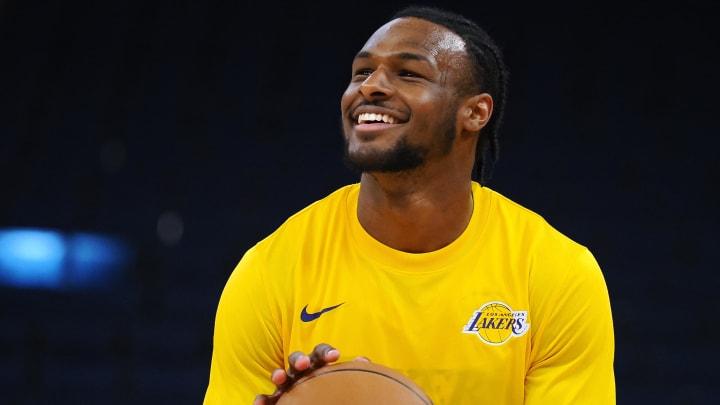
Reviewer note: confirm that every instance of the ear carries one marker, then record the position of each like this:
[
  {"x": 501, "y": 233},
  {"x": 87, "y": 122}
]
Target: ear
[{"x": 475, "y": 112}]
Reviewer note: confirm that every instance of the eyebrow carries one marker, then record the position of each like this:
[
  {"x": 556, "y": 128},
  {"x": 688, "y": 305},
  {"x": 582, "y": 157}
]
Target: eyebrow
[{"x": 401, "y": 55}]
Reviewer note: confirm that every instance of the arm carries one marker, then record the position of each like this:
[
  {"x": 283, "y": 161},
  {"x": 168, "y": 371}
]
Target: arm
[
  {"x": 573, "y": 345},
  {"x": 247, "y": 345},
  {"x": 247, "y": 357}
]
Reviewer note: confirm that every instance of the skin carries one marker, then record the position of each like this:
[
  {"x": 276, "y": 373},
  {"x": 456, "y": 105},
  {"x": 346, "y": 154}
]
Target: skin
[{"x": 410, "y": 69}]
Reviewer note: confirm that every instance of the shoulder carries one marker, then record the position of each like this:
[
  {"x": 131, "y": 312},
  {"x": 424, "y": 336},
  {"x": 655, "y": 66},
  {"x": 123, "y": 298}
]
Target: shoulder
[
  {"x": 522, "y": 221},
  {"x": 311, "y": 219},
  {"x": 537, "y": 239},
  {"x": 304, "y": 231}
]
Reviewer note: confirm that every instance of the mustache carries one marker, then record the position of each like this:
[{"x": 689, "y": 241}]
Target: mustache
[{"x": 374, "y": 103}]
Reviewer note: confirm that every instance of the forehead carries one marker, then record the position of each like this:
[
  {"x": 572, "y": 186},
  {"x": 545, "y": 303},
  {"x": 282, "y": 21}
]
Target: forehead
[{"x": 416, "y": 35}]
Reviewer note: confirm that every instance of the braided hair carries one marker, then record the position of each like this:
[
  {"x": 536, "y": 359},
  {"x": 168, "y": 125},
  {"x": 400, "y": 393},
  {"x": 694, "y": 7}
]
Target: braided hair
[{"x": 490, "y": 75}]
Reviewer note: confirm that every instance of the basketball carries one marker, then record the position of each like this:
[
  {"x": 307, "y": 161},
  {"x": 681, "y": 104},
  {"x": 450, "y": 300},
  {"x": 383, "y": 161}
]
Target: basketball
[{"x": 355, "y": 383}]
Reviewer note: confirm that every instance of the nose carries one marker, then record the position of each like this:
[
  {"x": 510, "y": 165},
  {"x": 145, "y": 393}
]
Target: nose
[{"x": 377, "y": 85}]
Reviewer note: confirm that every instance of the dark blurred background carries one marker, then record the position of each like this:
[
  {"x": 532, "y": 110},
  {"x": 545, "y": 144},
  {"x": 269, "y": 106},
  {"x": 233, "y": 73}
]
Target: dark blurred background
[{"x": 186, "y": 131}]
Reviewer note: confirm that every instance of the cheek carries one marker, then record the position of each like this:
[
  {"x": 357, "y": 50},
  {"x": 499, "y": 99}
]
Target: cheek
[
  {"x": 347, "y": 97},
  {"x": 432, "y": 100},
  {"x": 428, "y": 108}
]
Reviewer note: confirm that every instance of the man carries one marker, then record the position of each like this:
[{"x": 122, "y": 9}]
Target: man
[{"x": 419, "y": 267}]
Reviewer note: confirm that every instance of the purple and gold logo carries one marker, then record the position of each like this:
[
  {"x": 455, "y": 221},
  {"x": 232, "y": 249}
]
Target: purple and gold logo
[{"x": 495, "y": 322}]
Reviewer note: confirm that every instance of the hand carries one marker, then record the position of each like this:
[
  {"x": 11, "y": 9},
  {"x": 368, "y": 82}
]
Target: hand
[{"x": 300, "y": 365}]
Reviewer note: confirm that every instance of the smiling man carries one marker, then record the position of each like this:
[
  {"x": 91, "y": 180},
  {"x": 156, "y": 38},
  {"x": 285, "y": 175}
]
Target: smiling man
[{"x": 420, "y": 266}]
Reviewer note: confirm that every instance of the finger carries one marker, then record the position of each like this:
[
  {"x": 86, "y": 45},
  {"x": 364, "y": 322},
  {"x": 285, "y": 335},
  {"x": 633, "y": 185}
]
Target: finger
[
  {"x": 272, "y": 399},
  {"x": 362, "y": 359},
  {"x": 323, "y": 354},
  {"x": 267, "y": 399},
  {"x": 298, "y": 362},
  {"x": 332, "y": 355},
  {"x": 278, "y": 376},
  {"x": 301, "y": 363}
]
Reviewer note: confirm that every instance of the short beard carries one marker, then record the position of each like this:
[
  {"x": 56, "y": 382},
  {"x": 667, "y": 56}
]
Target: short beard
[{"x": 402, "y": 157}]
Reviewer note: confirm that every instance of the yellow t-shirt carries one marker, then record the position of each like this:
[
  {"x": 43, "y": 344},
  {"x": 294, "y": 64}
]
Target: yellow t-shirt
[{"x": 512, "y": 312}]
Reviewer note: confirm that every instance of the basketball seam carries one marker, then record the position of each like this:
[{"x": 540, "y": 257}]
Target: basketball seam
[{"x": 366, "y": 371}]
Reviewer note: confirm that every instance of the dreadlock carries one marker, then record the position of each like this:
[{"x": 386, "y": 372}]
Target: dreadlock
[{"x": 490, "y": 76}]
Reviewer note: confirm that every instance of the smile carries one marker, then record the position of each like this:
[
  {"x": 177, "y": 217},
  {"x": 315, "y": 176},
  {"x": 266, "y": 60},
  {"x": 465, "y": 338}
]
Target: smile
[{"x": 369, "y": 118}]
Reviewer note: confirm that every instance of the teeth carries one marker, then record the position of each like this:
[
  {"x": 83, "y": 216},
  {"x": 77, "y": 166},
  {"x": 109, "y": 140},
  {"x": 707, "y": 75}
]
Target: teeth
[{"x": 372, "y": 117}]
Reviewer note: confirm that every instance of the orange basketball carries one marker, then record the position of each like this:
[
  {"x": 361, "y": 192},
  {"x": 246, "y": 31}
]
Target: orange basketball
[{"x": 355, "y": 383}]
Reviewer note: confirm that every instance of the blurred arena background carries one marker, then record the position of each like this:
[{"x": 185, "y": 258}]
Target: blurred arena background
[{"x": 146, "y": 144}]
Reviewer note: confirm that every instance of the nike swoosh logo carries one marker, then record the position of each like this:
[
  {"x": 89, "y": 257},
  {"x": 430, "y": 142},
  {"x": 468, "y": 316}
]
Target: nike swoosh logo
[{"x": 306, "y": 316}]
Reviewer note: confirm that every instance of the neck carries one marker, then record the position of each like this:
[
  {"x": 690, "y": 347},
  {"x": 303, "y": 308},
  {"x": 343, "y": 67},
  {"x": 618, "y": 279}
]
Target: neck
[{"x": 412, "y": 216}]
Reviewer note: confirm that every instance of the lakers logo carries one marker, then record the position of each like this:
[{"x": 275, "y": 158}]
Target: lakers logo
[{"x": 495, "y": 322}]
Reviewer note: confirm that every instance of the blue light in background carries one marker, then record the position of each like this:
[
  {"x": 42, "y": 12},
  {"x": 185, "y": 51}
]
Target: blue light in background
[
  {"x": 31, "y": 258},
  {"x": 41, "y": 258},
  {"x": 96, "y": 260}
]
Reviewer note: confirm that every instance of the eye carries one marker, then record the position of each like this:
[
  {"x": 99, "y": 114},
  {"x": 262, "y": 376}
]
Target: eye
[
  {"x": 363, "y": 72},
  {"x": 408, "y": 73}
]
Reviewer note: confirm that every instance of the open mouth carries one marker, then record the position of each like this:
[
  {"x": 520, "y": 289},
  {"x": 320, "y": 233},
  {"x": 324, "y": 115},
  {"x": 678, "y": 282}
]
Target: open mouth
[{"x": 372, "y": 118}]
